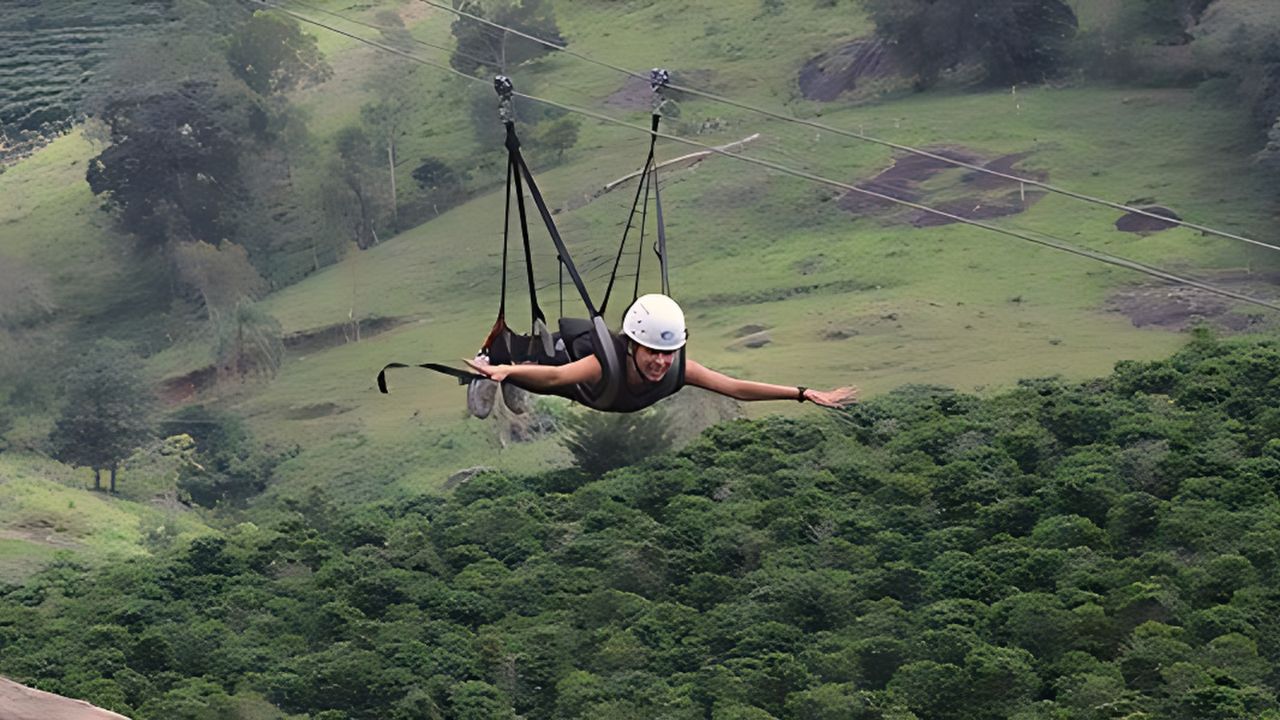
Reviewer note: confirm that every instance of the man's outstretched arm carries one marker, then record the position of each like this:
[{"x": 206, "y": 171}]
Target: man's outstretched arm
[{"x": 701, "y": 376}]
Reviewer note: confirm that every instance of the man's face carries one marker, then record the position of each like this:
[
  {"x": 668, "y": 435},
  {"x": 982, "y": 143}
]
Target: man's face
[{"x": 653, "y": 364}]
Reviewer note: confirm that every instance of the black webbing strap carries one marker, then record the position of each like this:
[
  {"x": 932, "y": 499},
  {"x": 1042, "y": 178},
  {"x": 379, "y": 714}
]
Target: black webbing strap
[
  {"x": 515, "y": 160},
  {"x": 635, "y": 202},
  {"x": 463, "y": 376},
  {"x": 506, "y": 231},
  {"x": 547, "y": 220},
  {"x": 661, "y": 248},
  {"x": 644, "y": 223}
]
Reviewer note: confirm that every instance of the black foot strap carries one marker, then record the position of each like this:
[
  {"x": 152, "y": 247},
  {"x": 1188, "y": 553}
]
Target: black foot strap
[{"x": 463, "y": 376}]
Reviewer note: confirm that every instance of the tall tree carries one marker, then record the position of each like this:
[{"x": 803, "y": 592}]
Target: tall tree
[
  {"x": 272, "y": 54},
  {"x": 108, "y": 414},
  {"x": 387, "y": 118},
  {"x": 484, "y": 47},
  {"x": 172, "y": 169},
  {"x": 220, "y": 274},
  {"x": 1012, "y": 40},
  {"x": 351, "y": 196}
]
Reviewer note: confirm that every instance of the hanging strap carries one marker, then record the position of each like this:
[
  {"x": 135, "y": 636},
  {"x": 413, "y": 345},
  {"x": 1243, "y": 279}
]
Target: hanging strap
[
  {"x": 463, "y": 376},
  {"x": 635, "y": 202},
  {"x": 552, "y": 230},
  {"x": 658, "y": 81},
  {"x": 661, "y": 247},
  {"x": 515, "y": 161}
]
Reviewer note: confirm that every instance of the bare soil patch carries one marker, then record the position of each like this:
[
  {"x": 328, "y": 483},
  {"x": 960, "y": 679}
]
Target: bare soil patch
[
  {"x": 985, "y": 196},
  {"x": 317, "y": 410},
  {"x": 827, "y": 76},
  {"x": 1139, "y": 223},
  {"x": 751, "y": 342},
  {"x": 39, "y": 533},
  {"x": 1171, "y": 307},
  {"x": 177, "y": 390},
  {"x": 340, "y": 334}
]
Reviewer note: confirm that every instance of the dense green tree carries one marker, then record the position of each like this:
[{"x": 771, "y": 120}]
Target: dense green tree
[
  {"x": 1012, "y": 40},
  {"x": 484, "y": 47},
  {"x": 271, "y": 54},
  {"x": 108, "y": 412},
  {"x": 171, "y": 172}
]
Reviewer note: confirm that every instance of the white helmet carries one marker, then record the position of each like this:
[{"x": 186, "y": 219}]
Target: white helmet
[{"x": 656, "y": 322}]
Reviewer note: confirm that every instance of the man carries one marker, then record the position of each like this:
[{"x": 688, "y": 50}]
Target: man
[{"x": 653, "y": 333}]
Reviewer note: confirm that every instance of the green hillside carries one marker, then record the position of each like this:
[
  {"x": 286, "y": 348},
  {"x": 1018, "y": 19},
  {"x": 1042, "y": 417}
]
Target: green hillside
[
  {"x": 45, "y": 514},
  {"x": 860, "y": 296}
]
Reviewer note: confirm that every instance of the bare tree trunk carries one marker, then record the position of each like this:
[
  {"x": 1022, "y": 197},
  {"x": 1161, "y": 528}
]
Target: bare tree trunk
[
  {"x": 97, "y": 478},
  {"x": 113, "y": 479},
  {"x": 391, "y": 166}
]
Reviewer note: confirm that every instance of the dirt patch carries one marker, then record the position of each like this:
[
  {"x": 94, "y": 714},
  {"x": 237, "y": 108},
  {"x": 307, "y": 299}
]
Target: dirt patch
[
  {"x": 340, "y": 334},
  {"x": 1011, "y": 204},
  {"x": 318, "y": 410},
  {"x": 40, "y": 533},
  {"x": 752, "y": 341},
  {"x": 985, "y": 196},
  {"x": 902, "y": 180},
  {"x": 177, "y": 390},
  {"x": 464, "y": 476},
  {"x": 831, "y": 74},
  {"x": 1139, "y": 223},
  {"x": 1180, "y": 308}
]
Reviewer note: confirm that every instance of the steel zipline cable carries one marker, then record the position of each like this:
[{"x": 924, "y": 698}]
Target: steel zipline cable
[
  {"x": 860, "y": 136},
  {"x": 1049, "y": 243},
  {"x": 385, "y": 29}
]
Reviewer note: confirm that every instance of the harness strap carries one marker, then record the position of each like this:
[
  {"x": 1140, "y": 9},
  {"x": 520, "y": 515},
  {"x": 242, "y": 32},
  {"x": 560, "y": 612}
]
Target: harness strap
[
  {"x": 506, "y": 231},
  {"x": 463, "y": 376},
  {"x": 635, "y": 202},
  {"x": 661, "y": 248},
  {"x": 551, "y": 226},
  {"x": 514, "y": 160}
]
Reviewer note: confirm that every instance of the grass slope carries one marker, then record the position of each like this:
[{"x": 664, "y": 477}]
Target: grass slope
[{"x": 45, "y": 510}]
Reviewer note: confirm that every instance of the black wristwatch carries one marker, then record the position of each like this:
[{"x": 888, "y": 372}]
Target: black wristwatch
[{"x": 800, "y": 391}]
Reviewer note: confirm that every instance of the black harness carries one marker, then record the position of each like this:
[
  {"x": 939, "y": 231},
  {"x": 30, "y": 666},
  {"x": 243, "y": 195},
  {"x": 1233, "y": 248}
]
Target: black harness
[{"x": 577, "y": 338}]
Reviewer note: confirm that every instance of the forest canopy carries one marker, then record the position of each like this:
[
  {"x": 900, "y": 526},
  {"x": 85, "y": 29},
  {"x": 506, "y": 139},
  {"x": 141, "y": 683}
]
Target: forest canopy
[{"x": 1044, "y": 553}]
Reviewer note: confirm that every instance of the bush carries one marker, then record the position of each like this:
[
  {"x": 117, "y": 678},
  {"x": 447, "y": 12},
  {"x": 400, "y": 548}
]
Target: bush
[{"x": 601, "y": 442}]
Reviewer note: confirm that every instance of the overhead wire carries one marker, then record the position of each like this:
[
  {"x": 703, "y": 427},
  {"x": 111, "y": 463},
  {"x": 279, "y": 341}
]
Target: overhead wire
[
  {"x": 862, "y": 136},
  {"x": 1055, "y": 244},
  {"x": 434, "y": 46}
]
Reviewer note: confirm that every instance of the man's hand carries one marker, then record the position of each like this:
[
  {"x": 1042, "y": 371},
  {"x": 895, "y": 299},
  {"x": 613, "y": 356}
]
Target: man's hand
[
  {"x": 839, "y": 398},
  {"x": 496, "y": 373}
]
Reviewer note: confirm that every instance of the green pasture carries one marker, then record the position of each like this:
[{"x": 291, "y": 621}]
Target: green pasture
[
  {"x": 864, "y": 299},
  {"x": 45, "y": 510}
]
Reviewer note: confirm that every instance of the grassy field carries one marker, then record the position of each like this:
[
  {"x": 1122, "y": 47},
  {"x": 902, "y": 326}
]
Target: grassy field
[
  {"x": 865, "y": 299},
  {"x": 45, "y": 510}
]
